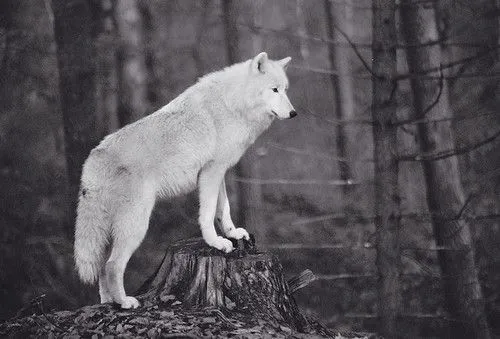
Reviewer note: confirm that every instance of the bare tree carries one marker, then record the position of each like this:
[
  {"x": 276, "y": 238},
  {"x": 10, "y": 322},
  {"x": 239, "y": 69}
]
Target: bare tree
[
  {"x": 76, "y": 61},
  {"x": 14, "y": 226},
  {"x": 8, "y": 13},
  {"x": 387, "y": 200},
  {"x": 107, "y": 84},
  {"x": 445, "y": 195},
  {"x": 469, "y": 29},
  {"x": 340, "y": 16},
  {"x": 302, "y": 30},
  {"x": 132, "y": 84}
]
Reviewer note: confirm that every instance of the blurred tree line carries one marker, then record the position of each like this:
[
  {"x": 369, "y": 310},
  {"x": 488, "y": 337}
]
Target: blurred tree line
[{"x": 386, "y": 186}]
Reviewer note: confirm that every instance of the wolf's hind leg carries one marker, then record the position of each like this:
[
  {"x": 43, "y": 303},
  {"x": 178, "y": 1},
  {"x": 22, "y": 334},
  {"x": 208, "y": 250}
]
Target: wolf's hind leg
[
  {"x": 129, "y": 229},
  {"x": 223, "y": 216}
]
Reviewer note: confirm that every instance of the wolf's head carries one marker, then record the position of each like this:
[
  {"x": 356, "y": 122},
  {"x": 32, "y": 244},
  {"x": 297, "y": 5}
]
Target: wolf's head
[{"x": 270, "y": 83}]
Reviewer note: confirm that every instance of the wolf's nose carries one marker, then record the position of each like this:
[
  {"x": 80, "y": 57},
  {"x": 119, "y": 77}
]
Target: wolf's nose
[{"x": 293, "y": 114}]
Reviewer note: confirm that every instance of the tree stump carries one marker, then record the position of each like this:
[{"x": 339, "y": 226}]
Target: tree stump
[{"x": 245, "y": 281}]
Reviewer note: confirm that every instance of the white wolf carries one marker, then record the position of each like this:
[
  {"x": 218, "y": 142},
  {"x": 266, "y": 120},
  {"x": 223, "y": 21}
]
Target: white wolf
[{"x": 190, "y": 142}]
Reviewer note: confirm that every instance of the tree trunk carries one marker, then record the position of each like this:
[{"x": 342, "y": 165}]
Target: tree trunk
[
  {"x": 341, "y": 16},
  {"x": 302, "y": 30},
  {"x": 132, "y": 84},
  {"x": 15, "y": 29},
  {"x": 10, "y": 10},
  {"x": 468, "y": 28},
  {"x": 77, "y": 71},
  {"x": 250, "y": 195},
  {"x": 387, "y": 198},
  {"x": 445, "y": 194},
  {"x": 246, "y": 281},
  {"x": 107, "y": 87}
]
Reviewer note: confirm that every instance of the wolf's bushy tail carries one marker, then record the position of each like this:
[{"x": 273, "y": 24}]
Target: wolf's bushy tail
[{"x": 92, "y": 232}]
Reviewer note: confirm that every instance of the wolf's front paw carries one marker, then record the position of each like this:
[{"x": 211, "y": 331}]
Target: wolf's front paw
[
  {"x": 238, "y": 233},
  {"x": 130, "y": 302},
  {"x": 221, "y": 243}
]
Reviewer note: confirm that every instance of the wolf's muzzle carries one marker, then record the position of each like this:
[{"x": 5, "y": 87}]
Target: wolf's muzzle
[{"x": 293, "y": 114}]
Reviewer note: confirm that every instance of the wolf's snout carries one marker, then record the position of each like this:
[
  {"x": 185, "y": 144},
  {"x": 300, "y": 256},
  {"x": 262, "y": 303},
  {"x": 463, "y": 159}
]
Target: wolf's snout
[{"x": 293, "y": 114}]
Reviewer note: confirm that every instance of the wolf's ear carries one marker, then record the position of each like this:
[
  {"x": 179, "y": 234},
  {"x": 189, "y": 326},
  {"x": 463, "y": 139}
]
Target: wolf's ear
[
  {"x": 259, "y": 63},
  {"x": 284, "y": 62}
]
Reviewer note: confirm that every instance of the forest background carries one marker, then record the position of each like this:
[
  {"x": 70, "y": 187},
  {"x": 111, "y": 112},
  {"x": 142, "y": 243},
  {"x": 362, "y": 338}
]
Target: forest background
[{"x": 316, "y": 190}]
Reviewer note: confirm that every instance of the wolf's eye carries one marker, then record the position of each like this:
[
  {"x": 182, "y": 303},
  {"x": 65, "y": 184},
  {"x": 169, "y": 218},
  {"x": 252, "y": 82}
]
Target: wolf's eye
[{"x": 275, "y": 89}]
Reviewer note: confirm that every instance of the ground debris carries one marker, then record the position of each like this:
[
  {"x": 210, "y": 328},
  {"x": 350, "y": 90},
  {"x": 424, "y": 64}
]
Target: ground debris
[{"x": 106, "y": 321}]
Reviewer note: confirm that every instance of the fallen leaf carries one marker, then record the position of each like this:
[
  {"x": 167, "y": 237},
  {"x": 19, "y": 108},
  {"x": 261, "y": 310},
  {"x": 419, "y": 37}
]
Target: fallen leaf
[
  {"x": 165, "y": 314},
  {"x": 167, "y": 297},
  {"x": 140, "y": 320},
  {"x": 152, "y": 332},
  {"x": 209, "y": 320},
  {"x": 285, "y": 329}
]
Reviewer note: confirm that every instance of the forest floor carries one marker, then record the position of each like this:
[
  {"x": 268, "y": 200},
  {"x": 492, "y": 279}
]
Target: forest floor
[{"x": 170, "y": 320}]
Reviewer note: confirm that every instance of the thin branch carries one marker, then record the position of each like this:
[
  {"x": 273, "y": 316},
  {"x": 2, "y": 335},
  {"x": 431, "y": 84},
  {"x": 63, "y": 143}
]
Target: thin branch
[
  {"x": 405, "y": 76},
  {"x": 263, "y": 29},
  {"x": 395, "y": 85},
  {"x": 442, "y": 67},
  {"x": 337, "y": 121},
  {"x": 422, "y": 267},
  {"x": 461, "y": 76},
  {"x": 361, "y": 315},
  {"x": 357, "y": 45},
  {"x": 328, "y": 217},
  {"x": 432, "y": 156},
  {"x": 357, "y": 52},
  {"x": 258, "y": 181},
  {"x": 420, "y": 75},
  {"x": 343, "y": 276},
  {"x": 431, "y": 248},
  {"x": 357, "y": 247},
  {"x": 438, "y": 96},
  {"x": 329, "y": 72},
  {"x": 429, "y": 121},
  {"x": 306, "y": 152},
  {"x": 360, "y": 219},
  {"x": 466, "y": 203},
  {"x": 432, "y": 105}
]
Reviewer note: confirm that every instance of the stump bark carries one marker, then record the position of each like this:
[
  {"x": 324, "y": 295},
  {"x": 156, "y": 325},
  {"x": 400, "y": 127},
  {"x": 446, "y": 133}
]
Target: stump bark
[{"x": 245, "y": 281}]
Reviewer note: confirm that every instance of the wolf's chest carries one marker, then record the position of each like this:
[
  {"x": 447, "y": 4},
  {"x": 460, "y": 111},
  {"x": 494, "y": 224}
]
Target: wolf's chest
[
  {"x": 232, "y": 148},
  {"x": 235, "y": 136},
  {"x": 233, "y": 143}
]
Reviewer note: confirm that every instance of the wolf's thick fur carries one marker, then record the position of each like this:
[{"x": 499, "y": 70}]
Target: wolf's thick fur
[{"x": 190, "y": 142}]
